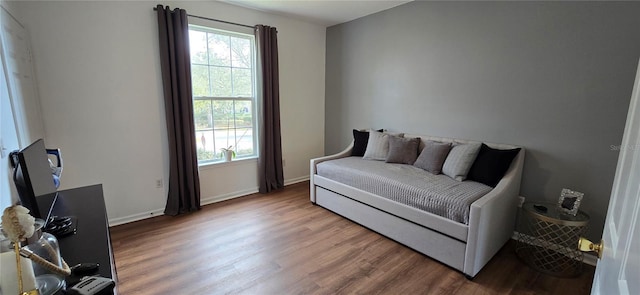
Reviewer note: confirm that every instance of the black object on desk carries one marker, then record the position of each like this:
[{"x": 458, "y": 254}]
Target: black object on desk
[
  {"x": 540, "y": 208},
  {"x": 91, "y": 243},
  {"x": 61, "y": 226}
]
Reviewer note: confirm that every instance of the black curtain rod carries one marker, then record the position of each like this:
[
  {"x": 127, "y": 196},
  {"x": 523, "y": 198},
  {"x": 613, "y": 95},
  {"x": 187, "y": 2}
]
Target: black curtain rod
[{"x": 215, "y": 20}]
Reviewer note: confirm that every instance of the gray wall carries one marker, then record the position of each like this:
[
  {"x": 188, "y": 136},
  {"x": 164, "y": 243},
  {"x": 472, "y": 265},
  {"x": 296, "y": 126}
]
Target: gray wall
[{"x": 553, "y": 77}]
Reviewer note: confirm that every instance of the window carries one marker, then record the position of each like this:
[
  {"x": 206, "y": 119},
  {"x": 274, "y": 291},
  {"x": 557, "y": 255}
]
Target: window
[{"x": 223, "y": 78}]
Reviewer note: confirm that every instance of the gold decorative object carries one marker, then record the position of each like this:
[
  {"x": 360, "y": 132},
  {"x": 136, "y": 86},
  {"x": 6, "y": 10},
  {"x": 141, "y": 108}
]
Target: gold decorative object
[
  {"x": 547, "y": 239},
  {"x": 64, "y": 270},
  {"x": 18, "y": 225},
  {"x": 587, "y": 246}
]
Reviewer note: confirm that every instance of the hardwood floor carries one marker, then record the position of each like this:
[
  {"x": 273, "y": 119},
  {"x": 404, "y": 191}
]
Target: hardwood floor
[{"x": 280, "y": 243}]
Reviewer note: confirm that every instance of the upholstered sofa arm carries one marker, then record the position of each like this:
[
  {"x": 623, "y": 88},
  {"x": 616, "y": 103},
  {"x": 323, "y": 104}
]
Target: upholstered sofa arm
[
  {"x": 314, "y": 162},
  {"x": 492, "y": 218}
]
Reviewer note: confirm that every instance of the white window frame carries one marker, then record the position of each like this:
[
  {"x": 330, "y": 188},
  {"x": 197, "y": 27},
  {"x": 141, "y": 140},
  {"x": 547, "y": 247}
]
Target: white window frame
[{"x": 253, "y": 99}]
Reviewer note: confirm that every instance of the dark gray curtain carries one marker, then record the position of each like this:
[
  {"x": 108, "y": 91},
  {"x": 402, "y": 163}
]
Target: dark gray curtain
[
  {"x": 270, "y": 176},
  {"x": 184, "y": 183}
]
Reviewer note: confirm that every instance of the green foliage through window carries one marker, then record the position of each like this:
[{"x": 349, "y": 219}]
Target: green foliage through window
[{"x": 223, "y": 78}]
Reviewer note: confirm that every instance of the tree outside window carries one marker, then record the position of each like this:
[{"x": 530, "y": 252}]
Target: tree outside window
[{"x": 223, "y": 76}]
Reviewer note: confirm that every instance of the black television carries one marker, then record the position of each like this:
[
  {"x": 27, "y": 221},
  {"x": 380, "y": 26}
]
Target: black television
[{"x": 33, "y": 178}]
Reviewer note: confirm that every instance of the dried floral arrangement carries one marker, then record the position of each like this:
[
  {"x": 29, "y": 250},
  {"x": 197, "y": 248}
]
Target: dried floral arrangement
[{"x": 18, "y": 226}]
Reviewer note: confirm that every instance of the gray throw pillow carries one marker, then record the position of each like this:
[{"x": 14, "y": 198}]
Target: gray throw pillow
[
  {"x": 460, "y": 159},
  {"x": 403, "y": 150},
  {"x": 433, "y": 156}
]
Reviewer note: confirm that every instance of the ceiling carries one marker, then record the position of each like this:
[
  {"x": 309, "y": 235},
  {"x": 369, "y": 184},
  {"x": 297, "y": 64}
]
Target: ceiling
[{"x": 326, "y": 13}]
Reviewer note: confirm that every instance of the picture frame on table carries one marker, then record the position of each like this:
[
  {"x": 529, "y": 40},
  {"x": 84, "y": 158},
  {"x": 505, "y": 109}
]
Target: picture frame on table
[{"x": 569, "y": 201}]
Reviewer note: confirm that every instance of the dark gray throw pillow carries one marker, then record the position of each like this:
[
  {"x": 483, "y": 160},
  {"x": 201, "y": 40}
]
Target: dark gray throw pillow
[
  {"x": 403, "y": 150},
  {"x": 433, "y": 156}
]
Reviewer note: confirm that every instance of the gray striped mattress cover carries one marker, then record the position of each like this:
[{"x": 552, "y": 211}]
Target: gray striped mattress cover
[{"x": 406, "y": 184}]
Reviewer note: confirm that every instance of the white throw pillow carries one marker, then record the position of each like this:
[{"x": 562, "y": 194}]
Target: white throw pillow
[
  {"x": 377, "y": 146},
  {"x": 460, "y": 160}
]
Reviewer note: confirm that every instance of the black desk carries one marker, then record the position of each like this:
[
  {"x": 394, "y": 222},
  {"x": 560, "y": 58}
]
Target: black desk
[{"x": 91, "y": 243}]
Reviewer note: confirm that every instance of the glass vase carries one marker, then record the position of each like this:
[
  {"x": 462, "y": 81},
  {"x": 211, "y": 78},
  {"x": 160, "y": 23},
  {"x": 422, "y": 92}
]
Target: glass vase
[
  {"x": 9, "y": 283},
  {"x": 46, "y": 246}
]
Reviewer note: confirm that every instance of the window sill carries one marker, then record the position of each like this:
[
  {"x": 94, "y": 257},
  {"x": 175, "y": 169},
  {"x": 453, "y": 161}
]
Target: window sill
[{"x": 235, "y": 162}]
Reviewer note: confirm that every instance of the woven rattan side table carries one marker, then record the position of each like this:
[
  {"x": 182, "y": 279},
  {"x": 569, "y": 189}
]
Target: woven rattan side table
[{"x": 548, "y": 240}]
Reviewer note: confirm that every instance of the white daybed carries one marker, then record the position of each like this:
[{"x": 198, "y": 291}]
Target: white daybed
[{"x": 466, "y": 248}]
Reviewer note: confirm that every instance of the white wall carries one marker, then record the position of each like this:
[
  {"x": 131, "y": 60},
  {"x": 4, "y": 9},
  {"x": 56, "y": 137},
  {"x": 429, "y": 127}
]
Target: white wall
[{"x": 100, "y": 86}]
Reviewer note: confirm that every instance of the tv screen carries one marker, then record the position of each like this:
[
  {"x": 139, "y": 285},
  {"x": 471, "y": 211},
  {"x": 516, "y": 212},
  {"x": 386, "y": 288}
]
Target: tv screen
[{"x": 33, "y": 177}]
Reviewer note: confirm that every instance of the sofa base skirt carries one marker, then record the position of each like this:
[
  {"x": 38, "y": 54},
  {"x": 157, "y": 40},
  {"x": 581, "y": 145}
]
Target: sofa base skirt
[{"x": 424, "y": 240}]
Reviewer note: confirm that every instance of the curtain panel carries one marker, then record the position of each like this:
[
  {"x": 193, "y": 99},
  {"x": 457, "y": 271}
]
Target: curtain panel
[
  {"x": 270, "y": 174},
  {"x": 184, "y": 183}
]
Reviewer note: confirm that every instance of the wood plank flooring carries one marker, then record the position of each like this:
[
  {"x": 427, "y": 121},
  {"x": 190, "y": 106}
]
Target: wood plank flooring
[{"x": 280, "y": 243}]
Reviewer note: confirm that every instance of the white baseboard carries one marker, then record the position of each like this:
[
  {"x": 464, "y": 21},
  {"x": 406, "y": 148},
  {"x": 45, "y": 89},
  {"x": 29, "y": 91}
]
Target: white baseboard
[
  {"x": 203, "y": 201},
  {"x": 135, "y": 217},
  {"x": 295, "y": 180},
  {"x": 589, "y": 258},
  {"x": 227, "y": 196}
]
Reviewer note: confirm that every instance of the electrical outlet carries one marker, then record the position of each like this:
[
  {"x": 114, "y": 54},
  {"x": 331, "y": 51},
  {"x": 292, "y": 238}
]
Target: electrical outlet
[
  {"x": 521, "y": 201},
  {"x": 284, "y": 163},
  {"x": 158, "y": 183}
]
